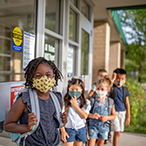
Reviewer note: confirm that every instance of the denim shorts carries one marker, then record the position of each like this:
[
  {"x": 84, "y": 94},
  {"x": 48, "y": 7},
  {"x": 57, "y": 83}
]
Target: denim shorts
[
  {"x": 99, "y": 132},
  {"x": 76, "y": 135}
]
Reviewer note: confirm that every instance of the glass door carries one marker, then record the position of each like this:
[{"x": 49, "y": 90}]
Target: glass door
[
  {"x": 84, "y": 52},
  {"x": 14, "y": 13},
  {"x": 86, "y": 29}
]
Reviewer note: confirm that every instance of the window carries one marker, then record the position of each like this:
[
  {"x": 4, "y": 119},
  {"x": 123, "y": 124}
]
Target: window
[
  {"x": 71, "y": 61},
  {"x": 72, "y": 25},
  {"x": 74, "y": 2},
  {"x": 13, "y": 13},
  {"x": 84, "y": 52},
  {"x": 51, "y": 49},
  {"x": 85, "y": 9},
  {"x": 52, "y": 19}
]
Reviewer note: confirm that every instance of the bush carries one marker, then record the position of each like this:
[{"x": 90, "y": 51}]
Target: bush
[{"x": 137, "y": 101}]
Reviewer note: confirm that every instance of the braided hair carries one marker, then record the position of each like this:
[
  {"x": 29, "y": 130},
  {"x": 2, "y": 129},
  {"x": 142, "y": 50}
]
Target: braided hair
[
  {"x": 32, "y": 66},
  {"x": 67, "y": 97}
]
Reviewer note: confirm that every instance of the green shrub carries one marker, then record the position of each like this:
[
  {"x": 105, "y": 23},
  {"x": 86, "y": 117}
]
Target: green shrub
[{"x": 137, "y": 101}]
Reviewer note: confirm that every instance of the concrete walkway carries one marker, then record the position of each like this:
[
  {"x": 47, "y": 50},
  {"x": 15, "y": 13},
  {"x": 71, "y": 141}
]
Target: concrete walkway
[
  {"x": 126, "y": 139},
  {"x": 131, "y": 139}
]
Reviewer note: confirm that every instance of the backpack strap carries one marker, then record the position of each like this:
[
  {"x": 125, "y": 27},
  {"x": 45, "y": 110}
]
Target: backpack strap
[
  {"x": 92, "y": 101},
  {"x": 110, "y": 105},
  {"x": 35, "y": 109},
  {"x": 125, "y": 90},
  {"x": 58, "y": 108},
  {"x": 113, "y": 92}
]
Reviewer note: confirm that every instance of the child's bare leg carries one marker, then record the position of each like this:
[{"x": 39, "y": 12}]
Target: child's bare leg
[
  {"x": 78, "y": 143},
  {"x": 91, "y": 142},
  {"x": 100, "y": 142},
  {"x": 116, "y": 138},
  {"x": 68, "y": 143}
]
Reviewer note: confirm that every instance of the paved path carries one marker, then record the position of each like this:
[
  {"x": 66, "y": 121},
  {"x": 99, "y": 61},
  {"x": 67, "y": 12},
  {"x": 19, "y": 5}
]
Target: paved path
[
  {"x": 126, "y": 139},
  {"x": 131, "y": 139}
]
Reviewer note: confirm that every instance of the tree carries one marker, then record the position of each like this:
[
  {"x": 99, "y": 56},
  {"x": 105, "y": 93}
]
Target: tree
[{"x": 135, "y": 20}]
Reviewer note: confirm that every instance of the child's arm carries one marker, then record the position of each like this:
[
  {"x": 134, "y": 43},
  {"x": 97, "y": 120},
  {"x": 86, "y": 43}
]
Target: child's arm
[
  {"x": 10, "y": 123},
  {"x": 127, "y": 105},
  {"x": 63, "y": 134},
  {"x": 90, "y": 94},
  {"x": 114, "y": 76},
  {"x": 111, "y": 117},
  {"x": 94, "y": 116},
  {"x": 73, "y": 102}
]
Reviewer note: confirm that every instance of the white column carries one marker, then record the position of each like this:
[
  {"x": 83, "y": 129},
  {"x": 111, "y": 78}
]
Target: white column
[{"x": 40, "y": 28}]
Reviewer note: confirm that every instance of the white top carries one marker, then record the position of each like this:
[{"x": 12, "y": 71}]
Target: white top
[
  {"x": 93, "y": 87},
  {"x": 74, "y": 121}
]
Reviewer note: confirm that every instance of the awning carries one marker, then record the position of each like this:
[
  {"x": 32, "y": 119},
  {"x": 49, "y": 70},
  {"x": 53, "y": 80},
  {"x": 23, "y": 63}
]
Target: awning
[{"x": 118, "y": 23}]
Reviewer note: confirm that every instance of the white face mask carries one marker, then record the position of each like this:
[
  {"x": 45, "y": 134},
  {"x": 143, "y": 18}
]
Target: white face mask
[{"x": 101, "y": 94}]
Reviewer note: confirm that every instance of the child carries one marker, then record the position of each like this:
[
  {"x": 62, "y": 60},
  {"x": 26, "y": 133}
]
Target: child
[
  {"x": 78, "y": 111},
  {"x": 102, "y": 112},
  {"x": 38, "y": 72},
  {"x": 121, "y": 103},
  {"x": 100, "y": 73}
]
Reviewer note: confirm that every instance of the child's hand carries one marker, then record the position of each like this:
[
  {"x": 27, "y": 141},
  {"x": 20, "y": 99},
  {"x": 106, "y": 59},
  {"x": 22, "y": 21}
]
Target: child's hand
[
  {"x": 32, "y": 119},
  {"x": 127, "y": 121},
  {"x": 96, "y": 116},
  {"x": 73, "y": 101},
  {"x": 64, "y": 118},
  {"x": 64, "y": 134},
  {"x": 103, "y": 118},
  {"x": 114, "y": 76}
]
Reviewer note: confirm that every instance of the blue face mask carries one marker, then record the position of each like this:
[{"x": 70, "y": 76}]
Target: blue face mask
[{"x": 75, "y": 93}]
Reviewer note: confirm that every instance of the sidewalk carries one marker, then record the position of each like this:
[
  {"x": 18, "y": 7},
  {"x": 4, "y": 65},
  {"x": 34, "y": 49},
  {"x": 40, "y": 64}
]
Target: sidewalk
[
  {"x": 126, "y": 139},
  {"x": 131, "y": 139},
  {"x": 5, "y": 140}
]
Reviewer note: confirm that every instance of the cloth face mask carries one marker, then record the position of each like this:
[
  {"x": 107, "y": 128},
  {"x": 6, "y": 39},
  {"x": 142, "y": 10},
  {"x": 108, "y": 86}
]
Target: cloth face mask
[
  {"x": 101, "y": 94},
  {"x": 43, "y": 84},
  {"x": 74, "y": 93},
  {"x": 119, "y": 83}
]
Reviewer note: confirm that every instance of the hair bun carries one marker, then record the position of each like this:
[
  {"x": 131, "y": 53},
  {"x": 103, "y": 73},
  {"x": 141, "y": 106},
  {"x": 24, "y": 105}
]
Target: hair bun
[{"x": 106, "y": 79}]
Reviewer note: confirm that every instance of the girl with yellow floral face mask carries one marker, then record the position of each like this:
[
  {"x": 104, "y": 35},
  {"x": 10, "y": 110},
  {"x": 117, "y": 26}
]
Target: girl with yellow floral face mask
[{"x": 40, "y": 75}]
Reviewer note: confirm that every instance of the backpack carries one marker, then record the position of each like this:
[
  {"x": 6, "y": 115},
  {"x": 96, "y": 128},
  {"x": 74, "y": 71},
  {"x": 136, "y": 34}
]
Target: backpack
[
  {"x": 34, "y": 106},
  {"x": 114, "y": 92}
]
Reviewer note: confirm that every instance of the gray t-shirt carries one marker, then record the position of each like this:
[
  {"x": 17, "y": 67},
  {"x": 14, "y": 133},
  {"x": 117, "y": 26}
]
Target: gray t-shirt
[{"x": 47, "y": 133}]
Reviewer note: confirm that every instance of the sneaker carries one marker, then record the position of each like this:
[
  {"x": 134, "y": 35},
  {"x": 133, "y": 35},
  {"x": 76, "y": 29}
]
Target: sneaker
[
  {"x": 110, "y": 140},
  {"x": 106, "y": 141}
]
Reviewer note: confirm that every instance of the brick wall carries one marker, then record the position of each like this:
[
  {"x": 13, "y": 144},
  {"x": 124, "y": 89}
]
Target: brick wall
[
  {"x": 115, "y": 56},
  {"x": 101, "y": 41}
]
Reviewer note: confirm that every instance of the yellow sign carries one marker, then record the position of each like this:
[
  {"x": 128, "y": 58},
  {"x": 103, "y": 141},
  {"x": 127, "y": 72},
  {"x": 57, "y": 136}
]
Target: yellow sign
[{"x": 17, "y": 36}]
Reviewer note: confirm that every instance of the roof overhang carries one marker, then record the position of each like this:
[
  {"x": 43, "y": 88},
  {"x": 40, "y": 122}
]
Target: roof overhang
[{"x": 102, "y": 12}]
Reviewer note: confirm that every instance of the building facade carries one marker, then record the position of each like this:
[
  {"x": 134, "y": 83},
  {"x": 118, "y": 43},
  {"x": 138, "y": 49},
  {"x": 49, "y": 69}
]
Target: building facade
[
  {"x": 62, "y": 31},
  {"x": 79, "y": 36}
]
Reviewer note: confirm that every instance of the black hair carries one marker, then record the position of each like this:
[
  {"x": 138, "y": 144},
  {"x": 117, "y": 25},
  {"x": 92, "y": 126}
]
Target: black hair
[
  {"x": 32, "y": 66},
  {"x": 120, "y": 71},
  {"x": 101, "y": 70},
  {"x": 67, "y": 97}
]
